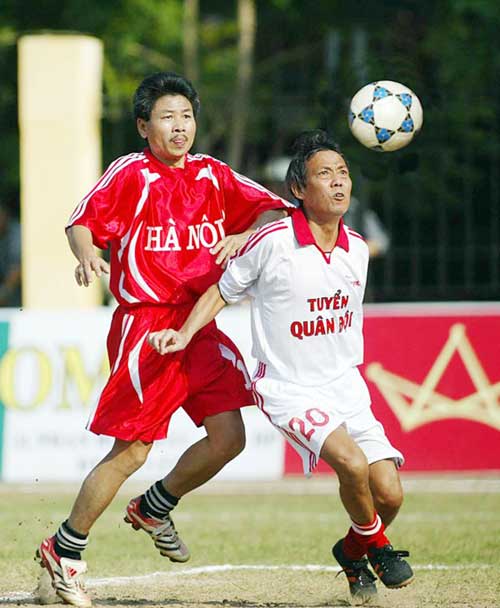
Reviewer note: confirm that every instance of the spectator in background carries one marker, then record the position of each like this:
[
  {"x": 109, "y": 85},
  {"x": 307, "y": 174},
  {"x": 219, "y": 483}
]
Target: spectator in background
[
  {"x": 364, "y": 220},
  {"x": 10, "y": 259},
  {"x": 273, "y": 176}
]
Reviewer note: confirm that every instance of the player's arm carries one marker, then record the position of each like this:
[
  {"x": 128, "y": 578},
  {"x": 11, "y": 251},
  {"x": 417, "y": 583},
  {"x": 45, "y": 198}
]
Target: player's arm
[
  {"x": 104, "y": 216},
  {"x": 89, "y": 263},
  {"x": 248, "y": 206},
  {"x": 229, "y": 245},
  {"x": 238, "y": 278},
  {"x": 169, "y": 340}
]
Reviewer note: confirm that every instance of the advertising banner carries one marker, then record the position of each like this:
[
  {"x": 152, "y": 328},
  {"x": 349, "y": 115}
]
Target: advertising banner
[
  {"x": 53, "y": 366},
  {"x": 433, "y": 372}
]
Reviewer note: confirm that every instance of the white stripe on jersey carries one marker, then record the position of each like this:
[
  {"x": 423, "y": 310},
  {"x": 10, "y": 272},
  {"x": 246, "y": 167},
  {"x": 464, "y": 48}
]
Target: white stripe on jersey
[
  {"x": 149, "y": 178},
  {"x": 126, "y": 325},
  {"x": 241, "y": 178},
  {"x": 249, "y": 182},
  {"x": 230, "y": 355},
  {"x": 134, "y": 270},
  {"x": 118, "y": 165},
  {"x": 200, "y": 156},
  {"x": 124, "y": 293},
  {"x": 209, "y": 174},
  {"x": 259, "y": 235},
  {"x": 133, "y": 367},
  {"x": 354, "y": 233}
]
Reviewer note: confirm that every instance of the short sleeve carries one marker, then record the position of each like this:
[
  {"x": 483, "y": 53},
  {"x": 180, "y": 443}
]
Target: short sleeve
[
  {"x": 106, "y": 210},
  {"x": 245, "y": 267},
  {"x": 245, "y": 200}
]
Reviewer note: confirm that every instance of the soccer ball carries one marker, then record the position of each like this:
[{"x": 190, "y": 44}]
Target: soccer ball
[{"x": 385, "y": 115}]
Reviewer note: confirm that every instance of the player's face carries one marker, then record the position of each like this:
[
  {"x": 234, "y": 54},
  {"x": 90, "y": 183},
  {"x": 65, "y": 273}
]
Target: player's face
[
  {"x": 327, "y": 193},
  {"x": 170, "y": 130}
]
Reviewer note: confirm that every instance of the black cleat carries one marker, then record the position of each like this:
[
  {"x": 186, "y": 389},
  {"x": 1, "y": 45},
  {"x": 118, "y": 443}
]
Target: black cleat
[
  {"x": 389, "y": 566},
  {"x": 359, "y": 576}
]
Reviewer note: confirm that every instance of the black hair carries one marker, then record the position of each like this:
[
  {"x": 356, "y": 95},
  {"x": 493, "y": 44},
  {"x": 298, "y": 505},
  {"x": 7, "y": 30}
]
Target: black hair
[
  {"x": 305, "y": 146},
  {"x": 159, "y": 84}
]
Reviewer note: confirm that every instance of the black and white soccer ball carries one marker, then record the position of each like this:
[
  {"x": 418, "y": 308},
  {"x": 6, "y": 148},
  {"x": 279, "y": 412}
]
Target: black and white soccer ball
[{"x": 385, "y": 115}]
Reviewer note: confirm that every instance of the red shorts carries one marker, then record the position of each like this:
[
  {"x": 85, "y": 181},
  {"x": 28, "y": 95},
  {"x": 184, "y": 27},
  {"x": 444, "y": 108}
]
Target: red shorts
[{"x": 144, "y": 388}]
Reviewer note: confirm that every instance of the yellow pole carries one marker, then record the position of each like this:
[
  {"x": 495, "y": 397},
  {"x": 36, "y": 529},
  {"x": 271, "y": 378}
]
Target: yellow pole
[{"x": 60, "y": 79}]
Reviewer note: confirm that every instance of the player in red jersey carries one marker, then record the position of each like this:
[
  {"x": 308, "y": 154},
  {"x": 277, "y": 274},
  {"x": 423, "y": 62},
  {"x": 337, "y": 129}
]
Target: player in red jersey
[{"x": 171, "y": 220}]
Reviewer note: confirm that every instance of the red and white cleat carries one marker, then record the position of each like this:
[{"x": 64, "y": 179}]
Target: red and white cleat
[
  {"x": 162, "y": 531},
  {"x": 66, "y": 574}
]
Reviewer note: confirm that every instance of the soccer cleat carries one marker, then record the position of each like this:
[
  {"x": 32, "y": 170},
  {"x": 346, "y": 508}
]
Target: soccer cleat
[
  {"x": 162, "y": 531},
  {"x": 65, "y": 574},
  {"x": 360, "y": 578},
  {"x": 389, "y": 566}
]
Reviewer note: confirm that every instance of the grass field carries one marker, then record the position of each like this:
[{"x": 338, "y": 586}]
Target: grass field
[{"x": 264, "y": 545}]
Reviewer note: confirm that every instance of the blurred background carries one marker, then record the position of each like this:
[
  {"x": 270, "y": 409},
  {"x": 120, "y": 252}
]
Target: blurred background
[{"x": 267, "y": 70}]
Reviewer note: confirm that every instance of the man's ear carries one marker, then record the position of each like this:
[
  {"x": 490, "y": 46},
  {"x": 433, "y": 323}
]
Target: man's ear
[
  {"x": 296, "y": 191},
  {"x": 142, "y": 127}
]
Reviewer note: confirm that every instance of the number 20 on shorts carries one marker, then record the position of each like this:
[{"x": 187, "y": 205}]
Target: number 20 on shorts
[{"x": 313, "y": 417}]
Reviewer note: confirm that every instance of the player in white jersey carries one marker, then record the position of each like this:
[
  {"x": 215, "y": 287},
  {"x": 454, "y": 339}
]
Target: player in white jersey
[{"x": 306, "y": 276}]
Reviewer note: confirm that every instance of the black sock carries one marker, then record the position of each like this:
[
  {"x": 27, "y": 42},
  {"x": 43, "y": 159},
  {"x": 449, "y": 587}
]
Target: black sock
[
  {"x": 157, "y": 502},
  {"x": 69, "y": 542}
]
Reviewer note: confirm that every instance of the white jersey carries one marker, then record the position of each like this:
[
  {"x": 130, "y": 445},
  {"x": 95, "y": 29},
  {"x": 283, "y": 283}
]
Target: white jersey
[{"x": 307, "y": 315}]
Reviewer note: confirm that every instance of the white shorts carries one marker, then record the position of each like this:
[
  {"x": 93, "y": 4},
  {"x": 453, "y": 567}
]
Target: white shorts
[{"x": 306, "y": 416}]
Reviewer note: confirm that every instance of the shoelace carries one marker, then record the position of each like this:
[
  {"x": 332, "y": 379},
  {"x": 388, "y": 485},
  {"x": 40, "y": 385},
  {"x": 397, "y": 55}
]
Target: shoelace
[
  {"x": 359, "y": 568},
  {"x": 81, "y": 585},
  {"x": 396, "y": 553},
  {"x": 392, "y": 553},
  {"x": 77, "y": 583},
  {"x": 166, "y": 528}
]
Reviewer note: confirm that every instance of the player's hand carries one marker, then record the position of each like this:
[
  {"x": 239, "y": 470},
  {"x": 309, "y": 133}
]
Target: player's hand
[
  {"x": 84, "y": 272},
  {"x": 228, "y": 246},
  {"x": 167, "y": 341}
]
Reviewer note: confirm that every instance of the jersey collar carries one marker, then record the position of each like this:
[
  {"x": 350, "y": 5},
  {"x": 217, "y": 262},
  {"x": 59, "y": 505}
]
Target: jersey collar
[
  {"x": 304, "y": 235},
  {"x": 158, "y": 165}
]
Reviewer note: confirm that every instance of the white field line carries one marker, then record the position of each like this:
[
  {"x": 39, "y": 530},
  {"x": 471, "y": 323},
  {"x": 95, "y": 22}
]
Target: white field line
[{"x": 118, "y": 581}]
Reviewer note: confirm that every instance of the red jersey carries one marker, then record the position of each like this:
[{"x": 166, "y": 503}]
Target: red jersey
[{"x": 160, "y": 223}]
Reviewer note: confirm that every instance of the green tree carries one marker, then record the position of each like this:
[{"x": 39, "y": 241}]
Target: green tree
[{"x": 439, "y": 197}]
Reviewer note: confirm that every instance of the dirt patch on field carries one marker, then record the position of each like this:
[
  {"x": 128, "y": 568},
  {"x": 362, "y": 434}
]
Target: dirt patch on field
[{"x": 285, "y": 589}]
